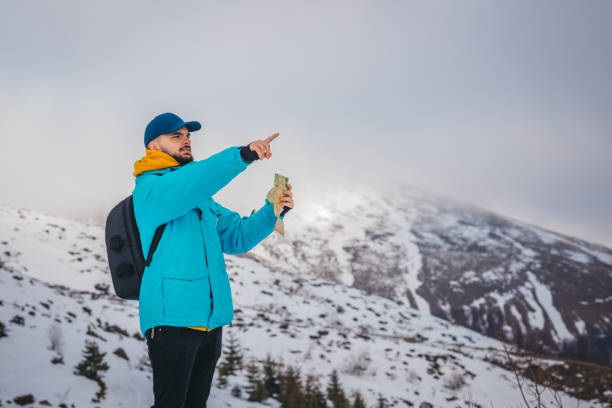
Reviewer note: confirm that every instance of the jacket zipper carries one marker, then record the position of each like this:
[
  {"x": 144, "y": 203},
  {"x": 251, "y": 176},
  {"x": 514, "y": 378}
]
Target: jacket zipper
[
  {"x": 202, "y": 232},
  {"x": 205, "y": 255}
]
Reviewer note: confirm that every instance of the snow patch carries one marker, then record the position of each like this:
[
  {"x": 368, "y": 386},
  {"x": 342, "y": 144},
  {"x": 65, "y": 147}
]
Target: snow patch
[
  {"x": 518, "y": 317},
  {"x": 469, "y": 277},
  {"x": 580, "y": 326},
  {"x": 577, "y": 256},
  {"x": 494, "y": 275},
  {"x": 546, "y": 300},
  {"x": 535, "y": 316}
]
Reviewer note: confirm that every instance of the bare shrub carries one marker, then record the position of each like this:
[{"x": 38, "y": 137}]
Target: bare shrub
[
  {"x": 308, "y": 354},
  {"x": 453, "y": 380},
  {"x": 412, "y": 376},
  {"x": 24, "y": 399},
  {"x": 56, "y": 339},
  {"x": 358, "y": 363},
  {"x": 119, "y": 352},
  {"x": 534, "y": 381}
]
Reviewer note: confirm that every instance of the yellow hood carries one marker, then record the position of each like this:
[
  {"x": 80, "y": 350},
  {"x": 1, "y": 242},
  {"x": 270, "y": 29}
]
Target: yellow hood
[{"x": 154, "y": 160}]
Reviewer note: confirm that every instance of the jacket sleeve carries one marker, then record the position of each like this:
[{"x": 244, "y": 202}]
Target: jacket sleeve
[
  {"x": 177, "y": 192},
  {"x": 241, "y": 234}
]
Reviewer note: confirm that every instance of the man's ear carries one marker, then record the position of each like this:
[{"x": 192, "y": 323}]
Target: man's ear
[{"x": 154, "y": 145}]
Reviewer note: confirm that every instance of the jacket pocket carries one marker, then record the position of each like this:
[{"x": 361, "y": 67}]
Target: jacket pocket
[{"x": 187, "y": 298}]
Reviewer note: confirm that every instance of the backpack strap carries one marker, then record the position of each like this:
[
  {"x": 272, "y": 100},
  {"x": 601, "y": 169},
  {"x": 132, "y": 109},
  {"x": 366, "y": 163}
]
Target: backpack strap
[{"x": 156, "y": 238}]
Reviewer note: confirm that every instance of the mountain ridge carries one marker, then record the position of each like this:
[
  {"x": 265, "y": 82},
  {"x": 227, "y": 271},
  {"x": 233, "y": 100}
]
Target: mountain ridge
[{"x": 505, "y": 275}]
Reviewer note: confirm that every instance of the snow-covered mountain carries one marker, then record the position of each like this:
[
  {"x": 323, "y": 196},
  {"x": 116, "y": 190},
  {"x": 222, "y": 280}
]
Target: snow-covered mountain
[
  {"x": 54, "y": 298},
  {"x": 541, "y": 290}
]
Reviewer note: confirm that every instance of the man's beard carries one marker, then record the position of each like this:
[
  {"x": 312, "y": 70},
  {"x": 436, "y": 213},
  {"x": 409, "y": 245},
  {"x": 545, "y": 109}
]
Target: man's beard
[{"x": 181, "y": 159}]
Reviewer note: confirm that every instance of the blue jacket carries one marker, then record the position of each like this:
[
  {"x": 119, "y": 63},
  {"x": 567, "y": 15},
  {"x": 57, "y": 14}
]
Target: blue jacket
[{"x": 186, "y": 283}]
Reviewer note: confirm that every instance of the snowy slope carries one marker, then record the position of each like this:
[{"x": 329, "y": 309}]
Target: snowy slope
[
  {"x": 53, "y": 249},
  {"x": 541, "y": 290},
  {"x": 298, "y": 319}
]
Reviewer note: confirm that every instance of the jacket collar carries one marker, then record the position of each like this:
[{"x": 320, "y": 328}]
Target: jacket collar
[{"x": 154, "y": 160}]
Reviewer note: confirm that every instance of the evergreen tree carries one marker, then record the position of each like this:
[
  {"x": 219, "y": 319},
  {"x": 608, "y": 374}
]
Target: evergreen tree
[
  {"x": 252, "y": 376},
  {"x": 309, "y": 397},
  {"x": 291, "y": 392},
  {"x": 93, "y": 362},
  {"x": 222, "y": 370},
  {"x": 271, "y": 377},
  {"x": 335, "y": 393},
  {"x": 91, "y": 367},
  {"x": 320, "y": 398},
  {"x": 233, "y": 357},
  {"x": 259, "y": 393},
  {"x": 313, "y": 396},
  {"x": 256, "y": 389},
  {"x": 358, "y": 401},
  {"x": 381, "y": 402}
]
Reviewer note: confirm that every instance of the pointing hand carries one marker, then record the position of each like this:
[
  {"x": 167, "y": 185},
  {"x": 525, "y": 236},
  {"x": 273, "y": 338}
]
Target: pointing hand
[{"x": 262, "y": 147}]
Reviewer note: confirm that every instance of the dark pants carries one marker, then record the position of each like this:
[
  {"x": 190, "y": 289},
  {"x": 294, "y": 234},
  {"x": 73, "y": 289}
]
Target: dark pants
[{"x": 183, "y": 362}]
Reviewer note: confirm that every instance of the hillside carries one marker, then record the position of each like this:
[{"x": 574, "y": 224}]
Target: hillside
[
  {"x": 54, "y": 280},
  {"x": 538, "y": 289}
]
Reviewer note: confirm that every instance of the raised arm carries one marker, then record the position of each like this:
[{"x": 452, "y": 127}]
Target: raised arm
[{"x": 163, "y": 198}]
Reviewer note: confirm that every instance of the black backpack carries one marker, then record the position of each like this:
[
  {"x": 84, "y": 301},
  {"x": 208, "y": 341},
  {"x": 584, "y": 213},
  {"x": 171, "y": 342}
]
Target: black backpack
[{"x": 124, "y": 249}]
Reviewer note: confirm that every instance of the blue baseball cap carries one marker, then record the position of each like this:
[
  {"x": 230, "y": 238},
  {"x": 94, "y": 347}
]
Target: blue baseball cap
[{"x": 167, "y": 123}]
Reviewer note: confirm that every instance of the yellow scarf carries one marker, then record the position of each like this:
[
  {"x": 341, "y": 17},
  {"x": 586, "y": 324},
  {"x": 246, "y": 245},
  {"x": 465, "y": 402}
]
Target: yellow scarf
[{"x": 155, "y": 160}]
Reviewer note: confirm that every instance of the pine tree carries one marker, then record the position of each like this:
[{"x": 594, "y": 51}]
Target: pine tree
[
  {"x": 291, "y": 392},
  {"x": 320, "y": 398},
  {"x": 335, "y": 393},
  {"x": 222, "y": 375},
  {"x": 93, "y": 362},
  {"x": 271, "y": 377},
  {"x": 233, "y": 357},
  {"x": 91, "y": 366},
  {"x": 358, "y": 401},
  {"x": 255, "y": 388},
  {"x": 309, "y": 397},
  {"x": 381, "y": 402},
  {"x": 259, "y": 393},
  {"x": 313, "y": 396},
  {"x": 252, "y": 376}
]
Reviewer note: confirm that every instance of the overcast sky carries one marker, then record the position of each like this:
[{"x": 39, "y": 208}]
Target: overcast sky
[{"x": 507, "y": 105}]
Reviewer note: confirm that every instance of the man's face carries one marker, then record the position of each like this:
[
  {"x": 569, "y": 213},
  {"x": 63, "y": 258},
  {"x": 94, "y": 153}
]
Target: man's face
[{"x": 176, "y": 144}]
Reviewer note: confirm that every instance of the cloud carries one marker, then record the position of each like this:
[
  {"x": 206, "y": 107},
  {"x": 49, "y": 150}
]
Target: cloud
[{"x": 503, "y": 105}]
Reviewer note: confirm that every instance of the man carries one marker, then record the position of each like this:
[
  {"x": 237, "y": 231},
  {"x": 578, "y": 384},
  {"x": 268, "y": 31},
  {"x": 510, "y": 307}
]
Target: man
[{"x": 185, "y": 295}]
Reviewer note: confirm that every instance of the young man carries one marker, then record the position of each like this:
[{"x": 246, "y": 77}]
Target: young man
[{"x": 185, "y": 295}]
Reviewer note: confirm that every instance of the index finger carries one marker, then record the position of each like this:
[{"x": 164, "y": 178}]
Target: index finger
[{"x": 271, "y": 138}]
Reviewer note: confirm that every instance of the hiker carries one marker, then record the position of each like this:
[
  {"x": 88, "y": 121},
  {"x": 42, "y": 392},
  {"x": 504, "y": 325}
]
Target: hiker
[{"x": 185, "y": 297}]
